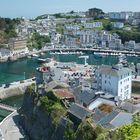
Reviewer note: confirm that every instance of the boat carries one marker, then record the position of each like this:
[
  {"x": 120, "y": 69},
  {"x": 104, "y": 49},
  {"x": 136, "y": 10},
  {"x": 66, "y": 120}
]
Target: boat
[
  {"x": 35, "y": 55},
  {"x": 42, "y": 60},
  {"x": 42, "y": 53},
  {"x": 122, "y": 59}
]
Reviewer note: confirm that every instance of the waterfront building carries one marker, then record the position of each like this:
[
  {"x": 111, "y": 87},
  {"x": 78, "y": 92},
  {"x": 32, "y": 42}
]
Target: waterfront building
[
  {"x": 115, "y": 44},
  {"x": 130, "y": 45},
  {"x": 18, "y": 46},
  {"x": 86, "y": 37},
  {"x": 115, "y": 80}
]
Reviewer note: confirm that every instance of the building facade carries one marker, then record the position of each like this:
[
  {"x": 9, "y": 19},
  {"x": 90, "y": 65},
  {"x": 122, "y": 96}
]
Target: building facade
[{"x": 115, "y": 80}]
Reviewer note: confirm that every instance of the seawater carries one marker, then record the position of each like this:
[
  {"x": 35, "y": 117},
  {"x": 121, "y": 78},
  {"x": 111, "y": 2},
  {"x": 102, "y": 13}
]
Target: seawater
[{"x": 25, "y": 68}]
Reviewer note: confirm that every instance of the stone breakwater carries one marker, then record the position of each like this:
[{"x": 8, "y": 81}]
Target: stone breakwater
[{"x": 15, "y": 89}]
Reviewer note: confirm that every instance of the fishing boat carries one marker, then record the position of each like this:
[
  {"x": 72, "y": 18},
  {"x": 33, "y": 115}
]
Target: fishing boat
[
  {"x": 35, "y": 55},
  {"x": 42, "y": 60}
]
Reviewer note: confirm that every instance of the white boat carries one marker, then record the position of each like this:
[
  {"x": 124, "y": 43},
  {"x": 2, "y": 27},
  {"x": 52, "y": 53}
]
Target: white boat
[
  {"x": 35, "y": 55},
  {"x": 41, "y": 60},
  {"x": 122, "y": 58}
]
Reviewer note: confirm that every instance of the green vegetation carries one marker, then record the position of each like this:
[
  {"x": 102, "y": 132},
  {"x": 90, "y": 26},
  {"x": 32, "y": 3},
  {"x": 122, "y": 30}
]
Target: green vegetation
[
  {"x": 52, "y": 105},
  {"x": 126, "y": 132},
  {"x": 37, "y": 41},
  {"x": 136, "y": 87},
  {"x": 60, "y": 28},
  {"x": 59, "y": 15},
  {"x": 129, "y": 35},
  {"x": 69, "y": 133},
  {"x": 86, "y": 131},
  {"x": 7, "y": 29}
]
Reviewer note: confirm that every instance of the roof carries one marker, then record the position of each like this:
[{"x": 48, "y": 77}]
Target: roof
[
  {"x": 63, "y": 93},
  {"x": 55, "y": 84},
  {"x": 97, "y": 102},
  {"x": 85, "y": 97},
  {"x": 98, "y": 115},
  {"x": 78, "y": 111},
  {"x": 116, "y": 70},
  {"x": 116, "y": 119},
  {"x": 129, "y": 107}
]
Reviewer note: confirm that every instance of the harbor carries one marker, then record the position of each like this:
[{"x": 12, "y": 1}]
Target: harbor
[{"x": 25, "y": 68}]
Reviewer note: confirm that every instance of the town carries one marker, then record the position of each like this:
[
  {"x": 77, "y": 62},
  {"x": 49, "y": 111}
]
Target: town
[{"x": 70, "y": 93}]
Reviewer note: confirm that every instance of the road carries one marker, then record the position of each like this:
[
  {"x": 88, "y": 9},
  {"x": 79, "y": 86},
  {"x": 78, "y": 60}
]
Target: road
[{"x": 10, "y": 128}]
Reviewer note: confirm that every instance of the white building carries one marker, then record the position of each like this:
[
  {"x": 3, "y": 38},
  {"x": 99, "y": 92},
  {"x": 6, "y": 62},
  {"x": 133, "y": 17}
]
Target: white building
[
  {"x": 115, "y": 80},
  {"x": 118, "y": 25},
  {"x": 93, "y": 25},
  {"x": 130, "y": 45},
  {"x": 86, "y": 37},
  {"x": 115, "y": 44},
  {"x": 120, "y": 15},
  {"x": 72, "y": 27}
]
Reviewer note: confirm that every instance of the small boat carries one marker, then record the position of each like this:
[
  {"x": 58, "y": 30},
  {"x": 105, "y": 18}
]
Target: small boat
[
  {"x": 122, "y": 59},
  {"x": 42, "y": 60},
  {"x": 35, "y": 55},
  {"x": 42, "y": 53}
]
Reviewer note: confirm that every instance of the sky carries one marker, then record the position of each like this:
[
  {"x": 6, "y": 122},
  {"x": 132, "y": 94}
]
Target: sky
[{"x": 33, "y": 8}]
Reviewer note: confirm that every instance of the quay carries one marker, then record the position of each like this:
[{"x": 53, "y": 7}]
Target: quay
[
  {"x": 15, "y": 88},
  {"x": 91, "y": 50}
]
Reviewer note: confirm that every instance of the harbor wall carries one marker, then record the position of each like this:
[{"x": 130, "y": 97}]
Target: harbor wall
[
  {"x": 9, "y": 92},
  {"x": 15, "y": 89}
]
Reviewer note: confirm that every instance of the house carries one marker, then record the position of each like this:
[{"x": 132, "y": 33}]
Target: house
[
  {"x": 18, "y": 46},
  {"x": 78, "y": 113},
  {"x": 115, "y": 44},
  {"x": 115, "y": 80},
  {"x": 118, "y": 25},
  {"x": 93, "y": 25},
  {"x": 115, "y": 119},
  {"x": 64, "y": 94},
  {"x": 122, "y": 16},
  {"x": 130, "y": 45}
]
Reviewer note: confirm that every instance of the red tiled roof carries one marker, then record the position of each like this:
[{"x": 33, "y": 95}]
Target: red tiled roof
[{"x": 63, "y": 93}]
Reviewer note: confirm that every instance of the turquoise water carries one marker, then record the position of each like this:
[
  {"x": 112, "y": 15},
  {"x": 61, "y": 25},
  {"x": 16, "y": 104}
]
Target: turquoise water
[
  {"x": 3, "y": 114},
  {"x": 15, "y": 101},
  {"x": 14, "y": 71}
]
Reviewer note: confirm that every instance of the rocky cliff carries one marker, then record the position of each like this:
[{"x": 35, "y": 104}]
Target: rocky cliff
[{"x": 38, "y": 123}]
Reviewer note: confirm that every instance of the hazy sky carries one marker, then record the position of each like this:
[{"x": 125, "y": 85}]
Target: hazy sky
[{"x": 32, "y": 8}]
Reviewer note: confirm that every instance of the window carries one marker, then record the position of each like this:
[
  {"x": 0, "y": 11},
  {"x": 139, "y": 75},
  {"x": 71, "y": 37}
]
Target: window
[
  {"x": 105, "y": 81},
  {"x": 121, "y": 82}
]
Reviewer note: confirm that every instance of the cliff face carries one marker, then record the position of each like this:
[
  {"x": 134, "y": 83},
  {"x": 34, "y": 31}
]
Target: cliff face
[{"x": 38, "y": 123}]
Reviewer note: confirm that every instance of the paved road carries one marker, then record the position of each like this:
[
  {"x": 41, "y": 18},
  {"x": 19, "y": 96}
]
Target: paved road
[{"x": 10, "y": 128}]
